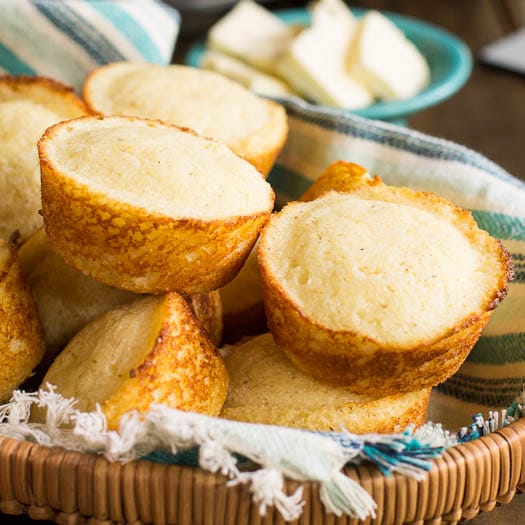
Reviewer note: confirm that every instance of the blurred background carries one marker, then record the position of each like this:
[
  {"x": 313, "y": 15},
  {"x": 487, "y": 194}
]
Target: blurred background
[{"x": 487, "y": 114}]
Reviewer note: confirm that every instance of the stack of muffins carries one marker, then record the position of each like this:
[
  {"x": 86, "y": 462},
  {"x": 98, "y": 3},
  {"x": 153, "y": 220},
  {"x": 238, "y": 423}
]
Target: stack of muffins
[
  {"x": 364, "y": 299},
  {"x": 153, "y": 204}
]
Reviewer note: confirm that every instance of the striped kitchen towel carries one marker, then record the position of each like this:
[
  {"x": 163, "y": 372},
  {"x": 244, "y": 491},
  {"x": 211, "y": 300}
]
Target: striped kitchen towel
[
  {"x": 492, "y": 375},
  {"x": 68, "y": 38}
]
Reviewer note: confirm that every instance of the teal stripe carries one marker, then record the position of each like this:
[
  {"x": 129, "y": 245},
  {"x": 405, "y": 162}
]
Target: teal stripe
[
  {"x": 134, "y": 32},
  {"x": 14, "y": 64},
  {"x": 64, "y": 17},
  {"x": 485, "y": 383},
  {"x": 495, "y": 393},
  {"x": 500, "y": 225},
  {"x": 499, "y": 349},
  {"x": 287, "y": 184}
]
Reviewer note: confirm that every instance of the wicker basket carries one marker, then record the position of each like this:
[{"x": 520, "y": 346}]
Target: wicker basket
[{"x": 70, "y": 488}]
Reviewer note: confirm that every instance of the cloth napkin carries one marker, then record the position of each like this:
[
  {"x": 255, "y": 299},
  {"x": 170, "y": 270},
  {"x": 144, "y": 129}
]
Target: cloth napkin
[{"x": 65, "y": 39}]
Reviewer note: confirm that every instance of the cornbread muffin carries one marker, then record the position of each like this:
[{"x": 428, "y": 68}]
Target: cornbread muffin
[
  {"x": 207, "y": 308},
  {"x": 242, "y": 298},
  {"x": 266, "y": 388},
  {"x": 342, "y": 177},
  {"x": 149, "y": 207},
  {"x": 21, "y": 334},
  {"x": 150, "y": 351},
  {"x": 242, "y": 303},
  {"x": 67, "y": 299},
  {"x": 210, "y": 104},
  {"x": 361, "y": 289},
  {"x": 27, "y": 107}
]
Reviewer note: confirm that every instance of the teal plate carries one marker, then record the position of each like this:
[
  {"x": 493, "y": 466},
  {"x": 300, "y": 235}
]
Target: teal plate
[{"x": 449, "y": 59}]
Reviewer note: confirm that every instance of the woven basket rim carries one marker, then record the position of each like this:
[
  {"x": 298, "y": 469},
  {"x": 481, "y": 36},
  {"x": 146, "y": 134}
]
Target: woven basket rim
[{"x": 468, "y": 478}]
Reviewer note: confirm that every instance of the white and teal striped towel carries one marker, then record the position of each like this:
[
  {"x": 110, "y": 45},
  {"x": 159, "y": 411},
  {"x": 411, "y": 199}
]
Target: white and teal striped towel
[{"x": 65, "y": 39}]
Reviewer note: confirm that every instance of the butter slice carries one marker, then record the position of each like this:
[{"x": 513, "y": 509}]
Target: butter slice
[
  {"x": 251, "y": 33},
  {"x": 315, "y": 62},
  {"x": 385, "y": 60},
  {"x": 248, "y": 76},
  {"x": 335, "y": 13}
]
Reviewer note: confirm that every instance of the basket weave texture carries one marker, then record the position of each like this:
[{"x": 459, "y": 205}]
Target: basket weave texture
[{"x": 73, "y": 488}]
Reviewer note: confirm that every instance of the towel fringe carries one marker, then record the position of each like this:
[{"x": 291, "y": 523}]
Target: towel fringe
[{"x": 277, "y": 452}]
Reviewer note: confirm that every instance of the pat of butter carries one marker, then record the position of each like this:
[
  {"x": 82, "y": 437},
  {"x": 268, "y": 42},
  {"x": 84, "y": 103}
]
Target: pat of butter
[
  {"x": 315, "y": 62},
  {"x": 385, "y": 60},
  {"x": 251, "y": 33},
  {"x": 249, "y": 77},
  {"x": 335, "y": 14}
]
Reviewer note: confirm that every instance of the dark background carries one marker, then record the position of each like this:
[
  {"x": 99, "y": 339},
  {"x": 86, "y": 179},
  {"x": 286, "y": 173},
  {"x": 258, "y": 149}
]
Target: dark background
[{"x": 488, "y": 114}]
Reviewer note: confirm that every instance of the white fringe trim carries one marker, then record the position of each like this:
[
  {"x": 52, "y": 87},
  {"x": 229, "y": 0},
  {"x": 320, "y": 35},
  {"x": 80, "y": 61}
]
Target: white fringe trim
[{"x": 279, "y": 451}]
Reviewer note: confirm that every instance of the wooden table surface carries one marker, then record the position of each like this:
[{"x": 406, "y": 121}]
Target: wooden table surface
[{"x": 488, "y": 115}]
